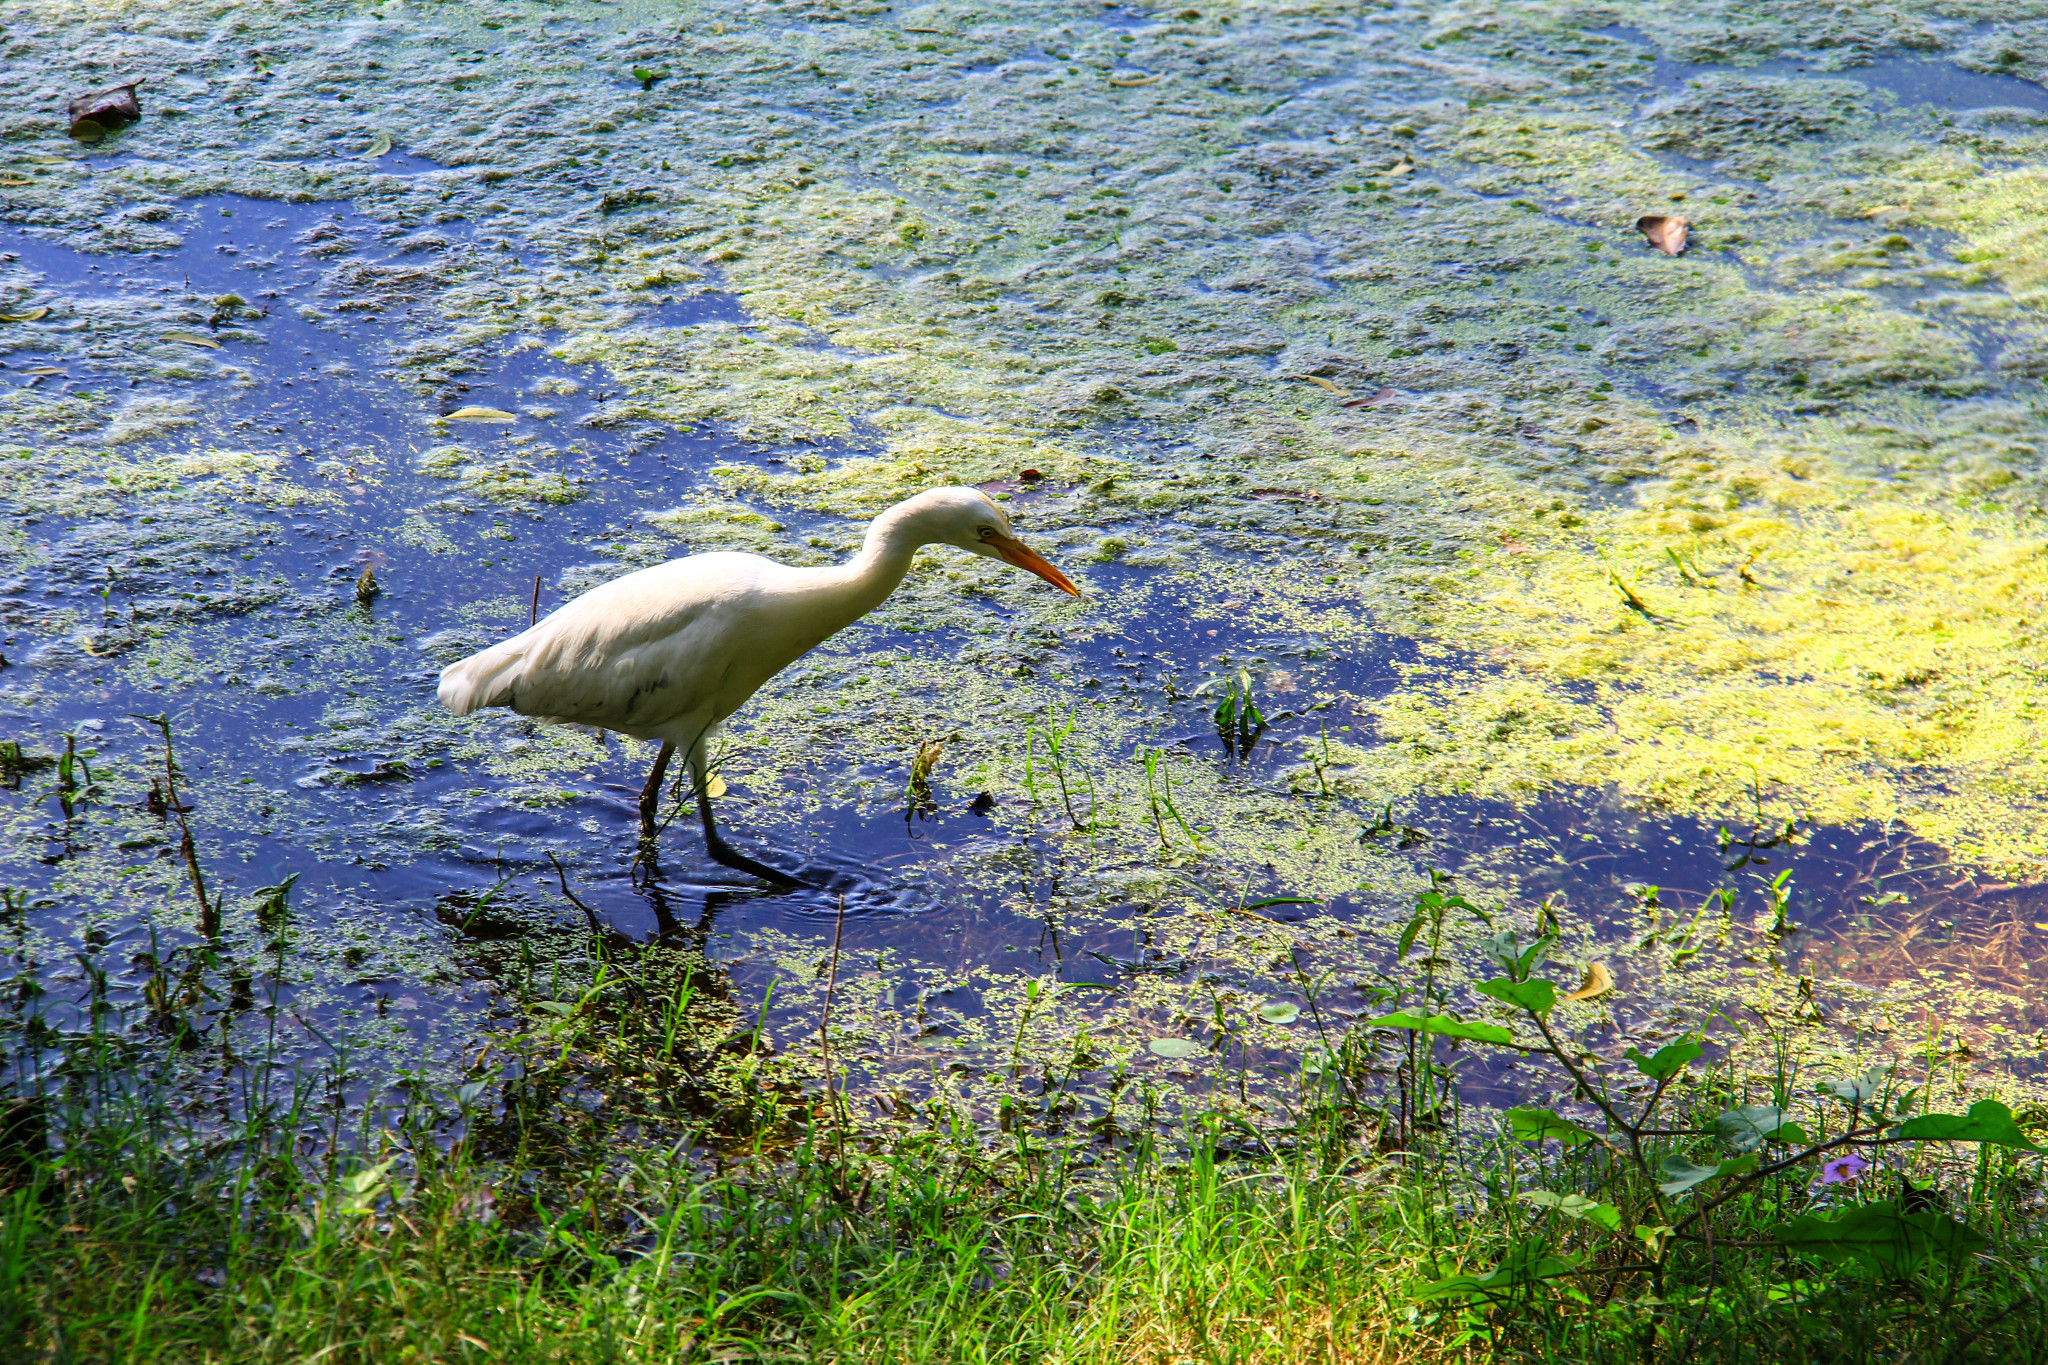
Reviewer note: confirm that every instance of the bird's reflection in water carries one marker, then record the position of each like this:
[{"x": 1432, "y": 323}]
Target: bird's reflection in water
[
  {"x": 663, "y": 901},
  {"x": 686, "y": 910}
]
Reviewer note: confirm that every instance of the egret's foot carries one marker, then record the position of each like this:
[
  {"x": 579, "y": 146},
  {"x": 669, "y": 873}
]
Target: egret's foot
[{"x": 723, "y": 852}]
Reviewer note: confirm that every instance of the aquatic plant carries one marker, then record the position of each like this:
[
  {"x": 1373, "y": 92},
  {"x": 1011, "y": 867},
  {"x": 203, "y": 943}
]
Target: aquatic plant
[
  {"x": 633, "y": 1175},
  {"x": 1682, "y": 1178}
]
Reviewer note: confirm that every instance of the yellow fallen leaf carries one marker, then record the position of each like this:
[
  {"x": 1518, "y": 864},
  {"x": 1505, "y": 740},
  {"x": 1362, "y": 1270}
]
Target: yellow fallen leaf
[
  {"x": 32, "y": 315},
  {"x": 1666, "y": 234},
  {"x": 1597, "y": 981},
  {"x": 715, "y": 787},
  {"x": 12, "y": 181},
  {"x": 1383, "y": 395},
  {"x": 1401, "y": 167},
  {"x": 1126, "y": 80},
  {"x": 1322, "y": 383},
  {"x": 379, "y": 145},
  {"x": 193, "y": 339},
  {"x": 44, "y": 369},
  {"x": 481, "y": 415}
]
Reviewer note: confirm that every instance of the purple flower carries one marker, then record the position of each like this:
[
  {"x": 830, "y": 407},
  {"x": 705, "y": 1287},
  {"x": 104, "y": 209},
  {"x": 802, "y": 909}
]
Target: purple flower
[{"x": 1842, "y": 1169}]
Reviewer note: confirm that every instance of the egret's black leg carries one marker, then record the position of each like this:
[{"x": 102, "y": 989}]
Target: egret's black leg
[
  {"x": 715, "y": 844},
  {"x": 650, "y": 795}
]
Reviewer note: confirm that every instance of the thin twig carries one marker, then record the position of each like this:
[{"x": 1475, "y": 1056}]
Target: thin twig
[
  {"x": 1864, "y": 1136},
  {"x": 534, "y": 619},
  {"x": 588, "y": 913},
  {"x": 209, "y": 909},
  {"x": 825, "y": 1023}
]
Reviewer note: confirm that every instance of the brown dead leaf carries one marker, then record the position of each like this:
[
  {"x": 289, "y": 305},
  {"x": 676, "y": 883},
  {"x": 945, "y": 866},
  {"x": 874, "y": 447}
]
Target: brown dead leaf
[
  {"x": 1597, "y": 981},
  {"x": 1130, "y": 78},
  {"x": 32, "y": 315},
  {"x": 1666, "y": 234},
  {"x": 45, "y": 369},
  {"x": 379, "y": 146},
  {"x": 1379, "y": 399},
  {"x": 473, "y": 414},
  {"x": 1401, "y": 167},
  {"x": 1322, "y": 383},
  {"x": 94, "y": 116},
  {"x": 10, "y": 180},
  {"x": 192, "y": 339}
]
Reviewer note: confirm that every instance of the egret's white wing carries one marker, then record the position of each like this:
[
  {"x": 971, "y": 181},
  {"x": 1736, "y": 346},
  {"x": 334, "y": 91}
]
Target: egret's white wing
[{"x": 693, "y": 637}]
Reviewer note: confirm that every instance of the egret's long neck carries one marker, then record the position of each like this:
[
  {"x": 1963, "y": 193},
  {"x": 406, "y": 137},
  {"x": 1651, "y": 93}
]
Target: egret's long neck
[{"x": 869, "y": 577}]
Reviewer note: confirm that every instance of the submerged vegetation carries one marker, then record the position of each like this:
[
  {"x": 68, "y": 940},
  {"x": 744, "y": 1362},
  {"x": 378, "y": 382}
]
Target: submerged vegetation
[{"x": 1530, "y": 847}]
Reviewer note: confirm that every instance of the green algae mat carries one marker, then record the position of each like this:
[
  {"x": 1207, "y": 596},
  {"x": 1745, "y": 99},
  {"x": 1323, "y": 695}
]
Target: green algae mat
[{"x": 1433, "y": 520}]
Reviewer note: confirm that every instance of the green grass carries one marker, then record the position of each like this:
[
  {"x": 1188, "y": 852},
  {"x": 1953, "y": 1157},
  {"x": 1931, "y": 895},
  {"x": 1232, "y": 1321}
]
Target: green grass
[{"x": 634, "y": 1187}]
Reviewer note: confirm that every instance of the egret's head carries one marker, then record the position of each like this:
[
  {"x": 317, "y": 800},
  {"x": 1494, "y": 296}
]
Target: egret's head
[{"x": 970, "y": 519}]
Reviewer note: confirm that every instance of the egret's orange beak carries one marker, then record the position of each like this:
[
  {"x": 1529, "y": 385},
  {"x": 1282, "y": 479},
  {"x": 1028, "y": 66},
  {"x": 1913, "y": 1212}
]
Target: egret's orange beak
[{"x": 1015, "y": 551}]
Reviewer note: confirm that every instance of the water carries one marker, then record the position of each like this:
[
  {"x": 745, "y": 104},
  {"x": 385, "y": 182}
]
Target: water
[
  {"x": 1928, "y": 81},
  {"x": 262, "y": 724},
  {"x": 305, "y": 724}
]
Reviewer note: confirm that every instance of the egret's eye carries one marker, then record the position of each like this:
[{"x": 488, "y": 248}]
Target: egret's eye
[{"x": 987, "y": 533}]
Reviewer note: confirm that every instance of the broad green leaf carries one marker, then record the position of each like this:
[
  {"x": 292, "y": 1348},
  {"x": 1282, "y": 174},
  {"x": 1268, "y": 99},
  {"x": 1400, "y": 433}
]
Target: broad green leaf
[
  {"x": 1575, "y": 1206},
  {"x": 1667, "y": 1060},
  {"x": 1504, "y": 949},
  {"x": 1408, "y": 937},
  {"x": 1858, "y": 1091},
  {"x": 1678, "y": 1175},
  {"x": 1279, "y": 1012},
  {"x": 1535, "y": 1125},
  {"x": 1749, "y": 1126},
  {"x": 1524, "y": 1267},
  {"x": 1881, "y": 1237},
  {"x": 369, "y": 1178},
  {"x": 1178, "y": 1049},
  {"x": 1443, "y": 1024},
  {"x": 1535, "y": 996},
  {"x": 561, "y": 1009},
  {"x": 1987, "y": 1121},
  {"x": 1532, "y": 957}
]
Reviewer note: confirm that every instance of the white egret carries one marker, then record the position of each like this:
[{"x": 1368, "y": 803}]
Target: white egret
[{"x": 669, "y": 652}]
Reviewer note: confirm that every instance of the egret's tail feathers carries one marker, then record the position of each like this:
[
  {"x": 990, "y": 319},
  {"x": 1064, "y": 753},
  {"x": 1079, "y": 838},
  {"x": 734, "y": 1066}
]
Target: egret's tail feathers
[{"x": 486, "y": 678}]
